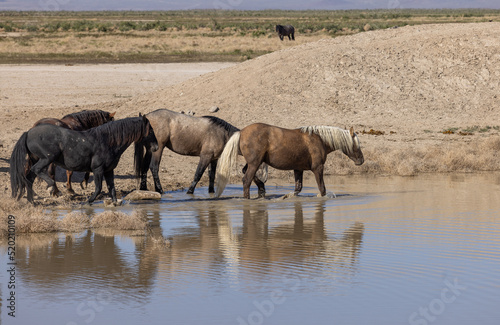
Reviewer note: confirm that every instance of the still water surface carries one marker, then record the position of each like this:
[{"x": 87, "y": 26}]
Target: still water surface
[{"x": 387, "y": 250}]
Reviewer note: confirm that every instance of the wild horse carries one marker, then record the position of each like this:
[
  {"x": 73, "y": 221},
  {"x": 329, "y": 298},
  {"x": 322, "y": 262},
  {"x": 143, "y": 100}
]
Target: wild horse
[
  {"x": 97, "y": 150},
  {"x": 286, "y": 30},
  {"x": 189, "y": 136},
  {"x": 300, "y": 149},
  {"x": 79, "y": 121}
]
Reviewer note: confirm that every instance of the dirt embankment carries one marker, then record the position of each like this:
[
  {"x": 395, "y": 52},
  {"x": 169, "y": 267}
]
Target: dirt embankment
[{"x": 409, "y": 83}]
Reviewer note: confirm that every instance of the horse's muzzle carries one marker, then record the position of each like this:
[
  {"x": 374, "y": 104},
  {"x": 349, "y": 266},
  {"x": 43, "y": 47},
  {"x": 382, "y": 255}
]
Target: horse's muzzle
[
  {"x": 153, "y": 147},
  {"x": 359, "y": 161}
]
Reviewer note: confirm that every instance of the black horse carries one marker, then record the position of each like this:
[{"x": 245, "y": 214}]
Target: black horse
[
  {"x": 79, "y": 121},
  {"x": 97, "y": 150},
  {"x": 286, "y": 30}
]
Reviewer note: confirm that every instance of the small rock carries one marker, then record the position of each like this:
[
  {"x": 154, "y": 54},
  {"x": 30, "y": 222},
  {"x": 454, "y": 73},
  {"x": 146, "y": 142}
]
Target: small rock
[
  {"x": 138, "y": 195},
  {"x": 213, "y": 109}
]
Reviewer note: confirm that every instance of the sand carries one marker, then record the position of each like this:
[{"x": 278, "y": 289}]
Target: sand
[{"x": 410, "y": 83}]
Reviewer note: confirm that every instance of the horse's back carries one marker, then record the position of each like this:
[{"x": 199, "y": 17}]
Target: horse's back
[
  {"x": 52, "y": 121},
  {"x": 279, "y": 147},
  {"x": 186, "y": 134}
]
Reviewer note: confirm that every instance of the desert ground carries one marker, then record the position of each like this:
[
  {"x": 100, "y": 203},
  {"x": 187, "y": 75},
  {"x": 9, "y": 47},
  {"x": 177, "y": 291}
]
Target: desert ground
[{"x": 421, "y": 98}]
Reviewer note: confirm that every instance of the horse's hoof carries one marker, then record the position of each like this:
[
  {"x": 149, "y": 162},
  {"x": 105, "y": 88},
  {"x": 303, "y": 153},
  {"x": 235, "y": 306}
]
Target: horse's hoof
[
  {"x": 111, "y": 203},
  {"x": 55, "y": 193},
  {"x": 288, "y": 195},
  {"x": 329, "y": 195},
  {"x": 70, "y": 191},
  {"x": 190, "y": 192}
]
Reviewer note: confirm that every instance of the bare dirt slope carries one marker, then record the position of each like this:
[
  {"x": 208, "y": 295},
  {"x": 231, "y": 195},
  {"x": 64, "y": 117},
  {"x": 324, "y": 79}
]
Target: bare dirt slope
[{"x": 414, "y": 81}]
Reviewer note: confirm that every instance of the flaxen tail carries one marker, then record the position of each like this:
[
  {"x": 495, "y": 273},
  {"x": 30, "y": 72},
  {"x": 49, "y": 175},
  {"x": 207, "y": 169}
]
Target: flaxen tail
[
  {"x": 19, "y": 165},
  {"x": 226, "y": 163}
]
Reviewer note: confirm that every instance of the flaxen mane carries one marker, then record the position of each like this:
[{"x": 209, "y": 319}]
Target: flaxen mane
[{"x": 335, "y": 138}]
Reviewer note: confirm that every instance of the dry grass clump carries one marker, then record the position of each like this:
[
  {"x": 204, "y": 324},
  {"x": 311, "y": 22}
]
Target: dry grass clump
[
  {"x": 119, "y": 220},
  {"x": 35, "y": 219},
  {"x": 28, "y": 218},
  {"x": 74, "y": 222}
]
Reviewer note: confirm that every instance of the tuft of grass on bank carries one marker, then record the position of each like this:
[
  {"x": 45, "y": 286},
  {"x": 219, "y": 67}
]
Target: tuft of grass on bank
[{"x": 35, "y": 219}]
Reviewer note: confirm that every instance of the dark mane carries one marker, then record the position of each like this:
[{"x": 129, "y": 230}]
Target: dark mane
[
  {"x": 119, "y": 132},
  {"x": 89, "y": 118},
  {"x": 222, "y": 124}
]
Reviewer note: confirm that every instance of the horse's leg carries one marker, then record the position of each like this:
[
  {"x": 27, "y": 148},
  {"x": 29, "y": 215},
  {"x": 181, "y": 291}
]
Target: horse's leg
[
  {"x": 144, "y": 172},
  {"x": 154, "y": 166},
  {"x": 211, "y": 176},
  {"x": 40, "y": 169},
  {"x": 318, "y": 173},
  {"x": 202, "y": 165},
  {"x": 98, "y": 185},
  {"x": 260, "y": 186},
  {"x": 69, "y": 188},
  {"x": 298, "y": 180},
  {"x": 247, "y": 180},
  {"x": 85, "y": 180},
  {"x": 293, "y": 36},
  {"x": 110, "y": 182},
  {"x": 51, "y": 170}
]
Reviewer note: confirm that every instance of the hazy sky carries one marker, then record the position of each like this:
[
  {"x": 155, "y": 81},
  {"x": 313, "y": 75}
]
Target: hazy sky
[{"x": 239, "y": 4}]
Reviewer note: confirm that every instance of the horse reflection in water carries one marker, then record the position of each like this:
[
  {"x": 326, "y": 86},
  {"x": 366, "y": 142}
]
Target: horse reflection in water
[
  {"x": 92, "y": 263},
  {"x": 259, "y": 246},
  {"x": 214, "y": 249}
]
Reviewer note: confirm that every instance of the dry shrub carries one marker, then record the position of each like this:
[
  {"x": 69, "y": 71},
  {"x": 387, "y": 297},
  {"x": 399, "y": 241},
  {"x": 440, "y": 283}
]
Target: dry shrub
[
  {"x": 119, "y": 220},
  {"x": 28, "y": 218},
  {"x": 74, "y": 222}
]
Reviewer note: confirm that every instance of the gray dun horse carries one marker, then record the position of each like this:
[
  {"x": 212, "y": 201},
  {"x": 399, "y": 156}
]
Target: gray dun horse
[
  {"x": 204, "y": 137},
  {"x": 300, "y": 149}
]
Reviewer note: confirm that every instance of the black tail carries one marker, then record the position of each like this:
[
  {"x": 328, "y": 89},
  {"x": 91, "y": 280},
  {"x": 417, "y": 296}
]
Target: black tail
[
  {"x": 19, "y": 167},
  {"x": 138, "y": 158}
]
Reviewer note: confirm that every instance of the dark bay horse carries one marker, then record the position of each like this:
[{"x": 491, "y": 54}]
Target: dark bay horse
[
  {"x": 286, "y": 149},
  {"x": 97, "y": 150},
  {"x": 286, "y": 30},
  {"x": 203, "y": 137},
  {"x": 79, "y": 121}
]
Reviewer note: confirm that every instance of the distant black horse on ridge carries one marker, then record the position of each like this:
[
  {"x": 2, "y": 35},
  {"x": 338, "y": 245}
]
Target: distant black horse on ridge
[{"x": 286, "y": 30}]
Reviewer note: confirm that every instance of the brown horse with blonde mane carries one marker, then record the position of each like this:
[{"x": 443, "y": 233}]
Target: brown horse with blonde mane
[{"x": 300, "y": 149}]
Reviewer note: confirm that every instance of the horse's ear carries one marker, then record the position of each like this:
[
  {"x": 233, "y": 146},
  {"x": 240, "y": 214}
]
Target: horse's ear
[
  {"x": 351, "y": 131},
  {"x": 112, "y": 114},
  {"x": 140, "y": 114}
]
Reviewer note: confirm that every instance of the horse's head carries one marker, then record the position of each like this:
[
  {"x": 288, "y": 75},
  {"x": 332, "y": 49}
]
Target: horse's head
[
  {"x": 356, "y": 155},
  {"x": 278, "y": 28},
  {"x": 149, "y": 138}
]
